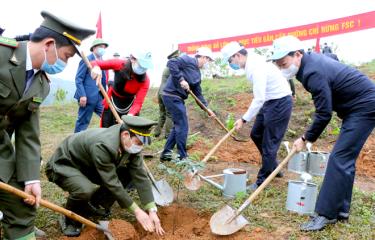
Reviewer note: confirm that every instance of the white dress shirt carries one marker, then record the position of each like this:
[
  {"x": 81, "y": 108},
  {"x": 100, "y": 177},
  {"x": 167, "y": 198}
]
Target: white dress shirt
[{"x": 268, "y": 83}]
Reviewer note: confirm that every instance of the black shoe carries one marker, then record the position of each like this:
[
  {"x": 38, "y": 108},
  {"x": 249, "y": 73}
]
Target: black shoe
[
  {"x": 166, "y": 157},
  {"x": 317, "y": 223},
  {"x": 280, "y": 175},
  {"x": 98, "y": 211},
  {"x": 343, "y": 217},
  {"x": 252, "y": 187},
  {"x": 69, "y": 228}
]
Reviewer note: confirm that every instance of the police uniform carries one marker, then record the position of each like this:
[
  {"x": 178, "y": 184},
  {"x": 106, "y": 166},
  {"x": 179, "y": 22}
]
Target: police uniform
[
  {"x": 21, "y": 94},
  {"x": 164, "y": 115},
  {"x": 95, "y": 156}
]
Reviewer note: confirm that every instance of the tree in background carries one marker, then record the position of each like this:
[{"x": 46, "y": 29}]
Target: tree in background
[{"x": 60, "y": 95}]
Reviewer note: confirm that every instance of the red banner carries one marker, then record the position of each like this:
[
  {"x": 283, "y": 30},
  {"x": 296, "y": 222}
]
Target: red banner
[
  {"x": 99, "y": 33},
  {"x": 304, "y": 32}
]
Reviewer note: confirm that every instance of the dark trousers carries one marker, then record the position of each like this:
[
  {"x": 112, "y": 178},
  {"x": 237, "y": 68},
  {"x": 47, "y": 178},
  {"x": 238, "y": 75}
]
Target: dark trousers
[
  {"x": 19, "y": 217},
  {"x": 164, "y": 118},
  {"x": 179, "y": 133},
  {"x": 85, "y": 114},
  {"x": 268, "y": 131},
  {"x": 336, "y": 192}
]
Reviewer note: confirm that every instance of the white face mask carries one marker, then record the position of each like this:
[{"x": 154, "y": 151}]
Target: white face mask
[
  {"x": 134, "y": 149},
  {"x": 290, "y": 72}
]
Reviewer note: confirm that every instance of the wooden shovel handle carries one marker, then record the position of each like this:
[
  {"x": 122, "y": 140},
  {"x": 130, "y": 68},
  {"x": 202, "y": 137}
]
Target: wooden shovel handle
[
  {"x": 263, "y": 185},
  {"x": 206, "y": 109},
  {"x": 102, "y": 90},
  {"x": 47, "y": 204},
  {"x": 213, "y": 150}
]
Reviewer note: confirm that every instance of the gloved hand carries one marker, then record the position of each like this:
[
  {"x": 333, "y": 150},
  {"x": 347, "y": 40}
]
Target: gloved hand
[
  {"x": 184, "y": 85},
  {"x": 96, "y": 74}
]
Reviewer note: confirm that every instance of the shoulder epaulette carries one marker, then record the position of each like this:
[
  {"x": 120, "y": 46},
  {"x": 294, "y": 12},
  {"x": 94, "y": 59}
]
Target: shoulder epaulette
[{"x": 9, "y": 42}]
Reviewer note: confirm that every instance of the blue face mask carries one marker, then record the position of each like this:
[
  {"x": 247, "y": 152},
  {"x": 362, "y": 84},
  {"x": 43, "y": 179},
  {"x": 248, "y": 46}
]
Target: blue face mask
[
  {"x": 137, "y": 69},
  {"x": 57, "y": 67},
  {"x": 100, "y": 52},
  {"x": 234, "y": 66}
]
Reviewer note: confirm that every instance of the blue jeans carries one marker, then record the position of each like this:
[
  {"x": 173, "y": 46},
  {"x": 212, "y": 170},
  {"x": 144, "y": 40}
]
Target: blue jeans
[{"x": 178, "y": 135}]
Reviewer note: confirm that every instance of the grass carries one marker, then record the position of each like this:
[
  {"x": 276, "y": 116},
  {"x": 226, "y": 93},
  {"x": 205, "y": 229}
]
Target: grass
[{"x": 268, "y": 211}]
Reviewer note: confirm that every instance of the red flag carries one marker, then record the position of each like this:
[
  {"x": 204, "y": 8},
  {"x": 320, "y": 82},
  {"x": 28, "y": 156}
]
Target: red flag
[
  {"x": 99, "y": 33},
  {"x": 317, "y": 45}
]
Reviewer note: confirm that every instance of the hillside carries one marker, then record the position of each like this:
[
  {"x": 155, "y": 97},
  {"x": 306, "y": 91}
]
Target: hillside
[{"x": 268, "y": 217}]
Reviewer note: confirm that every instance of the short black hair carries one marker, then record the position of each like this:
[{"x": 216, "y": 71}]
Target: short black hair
[
  {"x": 25, "y": 37},
  {"x": 292, "y": 53},
  {"x": 42, "y": 33},
  {"x": 243, "y": 51}
]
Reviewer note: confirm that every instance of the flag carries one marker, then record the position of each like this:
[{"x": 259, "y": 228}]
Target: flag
[
  {"x": 99, "y": 33},
  {"x": 317, "y": 46}
]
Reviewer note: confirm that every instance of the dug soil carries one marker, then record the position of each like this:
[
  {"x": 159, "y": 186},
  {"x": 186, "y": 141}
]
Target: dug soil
[
  {"x": 234, "y": 151},
  {"x": 179, "y": 222}
]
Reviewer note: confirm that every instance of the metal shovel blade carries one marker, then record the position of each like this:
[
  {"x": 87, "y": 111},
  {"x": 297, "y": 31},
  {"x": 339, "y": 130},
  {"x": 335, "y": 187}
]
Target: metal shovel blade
[
  {"x": 220, "y": 225},
  {"x": 104, "y": 227},
  {"x": 192, "y": 181},
  {"x": 162, "y": 192}
]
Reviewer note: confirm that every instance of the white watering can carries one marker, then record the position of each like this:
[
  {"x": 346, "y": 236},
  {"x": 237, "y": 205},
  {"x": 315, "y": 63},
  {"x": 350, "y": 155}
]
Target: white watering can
[
  {"x": 234, "y": 181},
  {"x": 313, "y": 162},
  {"x": 302, "y": 195}
]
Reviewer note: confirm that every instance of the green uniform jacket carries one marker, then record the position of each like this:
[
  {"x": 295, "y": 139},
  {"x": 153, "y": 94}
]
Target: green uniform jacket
[
  {"x": 164, "y": 79},
  {"x": 95, "y": 154},
  {"x": 20, "y": 112}
]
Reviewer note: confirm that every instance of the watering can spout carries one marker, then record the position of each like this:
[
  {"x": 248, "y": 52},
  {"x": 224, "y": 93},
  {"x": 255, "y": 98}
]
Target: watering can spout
[{"x": 213, "y": 183}]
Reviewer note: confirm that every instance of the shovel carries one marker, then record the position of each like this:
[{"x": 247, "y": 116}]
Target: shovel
[
  {"x": 227, "y": 220},
  {"x": 192, "y": 181},
  {"x": 102, "y": 226},
  {"x": 162, "y": 186},
  {"x": 216, "y": 118},
  {"x": 161, "y": 190}
]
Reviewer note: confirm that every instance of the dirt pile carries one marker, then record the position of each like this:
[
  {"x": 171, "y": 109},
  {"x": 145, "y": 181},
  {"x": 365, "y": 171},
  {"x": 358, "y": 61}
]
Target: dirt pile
[
  {"x": 120, "y": 229},
  {"x": 366, "y": 159},
  {"x": 180, "y": 222}
]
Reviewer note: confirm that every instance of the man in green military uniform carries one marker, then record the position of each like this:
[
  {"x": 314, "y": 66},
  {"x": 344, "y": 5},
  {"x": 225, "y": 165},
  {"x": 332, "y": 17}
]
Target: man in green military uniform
[
  {"x": 110, "y": 158},
  {"x": 164, "y": 115},
  {"x": 23, "y": 86}
]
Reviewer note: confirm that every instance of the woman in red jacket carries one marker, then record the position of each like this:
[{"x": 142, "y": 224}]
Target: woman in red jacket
[{"x": 130, "y": 86}]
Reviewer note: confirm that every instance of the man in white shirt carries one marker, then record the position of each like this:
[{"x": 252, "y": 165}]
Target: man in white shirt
[{"x": 271, "y": 105}]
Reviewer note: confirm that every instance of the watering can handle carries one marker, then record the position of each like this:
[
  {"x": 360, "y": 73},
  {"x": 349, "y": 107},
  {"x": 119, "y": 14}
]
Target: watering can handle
[
  {"x": 263, "y": 185},
  {"x": 286, "y": 144}
]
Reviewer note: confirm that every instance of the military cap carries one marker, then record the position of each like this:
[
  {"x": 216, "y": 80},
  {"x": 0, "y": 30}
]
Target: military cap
[
  {"x": 116, "y": 54},
  {"x": 139, "y": 126},
  {"x": 174, "y": 54},
  {"x": 97, "y": 42},
  {"x": 74, "y": 33}
]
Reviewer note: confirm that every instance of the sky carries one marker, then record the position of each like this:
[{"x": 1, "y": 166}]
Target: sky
[{"x": 158, "y": 26}]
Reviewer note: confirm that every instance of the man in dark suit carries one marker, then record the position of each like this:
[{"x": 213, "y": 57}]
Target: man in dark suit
[{"x": 87, "y": 93}]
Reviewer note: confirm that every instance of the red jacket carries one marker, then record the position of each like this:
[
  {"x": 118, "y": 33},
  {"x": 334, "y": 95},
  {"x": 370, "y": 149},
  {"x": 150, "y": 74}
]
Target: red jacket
[{"x": 127, "y": 83}]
